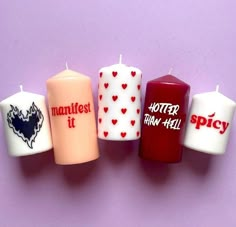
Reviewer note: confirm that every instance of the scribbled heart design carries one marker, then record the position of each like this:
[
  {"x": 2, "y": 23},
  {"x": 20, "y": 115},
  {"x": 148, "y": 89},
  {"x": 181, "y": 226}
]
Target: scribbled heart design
[
  {"x": 138, "y": 111},
  {"x": 114, "y": 97},
  {"x": 105, "y": 133},
  {"x": 133, "y": 98},
  {"x": 123, "y": 134},
  {"x": 124, "y": 86},
  {"x": 100, "y": 74},
  {"x": 132, "y": 122},
  {"x": 114, "y": 121},
  {"x": 100, "y": 97},
  {"x": 114, "y": 73},
  {"x": 100, "y": 120},
  {"x": 138, "y": 86},
  {"x": 133, "y": 73},
  {"x": 123, "y": 110},
  {"x": 106, "y": 85},
  {"x": 105, "y": 109},
  {"x": 26, "y": 127},
  {"x": 137, "y": 133}
]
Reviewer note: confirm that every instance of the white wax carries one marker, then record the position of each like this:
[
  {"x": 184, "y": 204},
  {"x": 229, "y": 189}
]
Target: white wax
[
  {"x": 119, "y": 102},
  {"x": 26, "y": 124},
  {"x": 209, "y": 122}
]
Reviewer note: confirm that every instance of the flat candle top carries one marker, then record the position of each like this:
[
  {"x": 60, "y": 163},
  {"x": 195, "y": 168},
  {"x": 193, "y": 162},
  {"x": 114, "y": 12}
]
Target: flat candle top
[
  {"x": 69, "y": 74},
  {"x": 22, "y": 96},
  {"x": 168, "y": 79},
  {"x": 215, "y": 95},
  {"x": 120, "y": 66}
]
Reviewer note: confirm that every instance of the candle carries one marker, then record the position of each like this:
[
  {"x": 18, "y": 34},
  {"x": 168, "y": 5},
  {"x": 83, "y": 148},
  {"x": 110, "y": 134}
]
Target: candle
[
  {"x": 119, "y": 102},
  {"x": 209, "y": 122},
  {"x": 26, "y": 124},
  {"x": 165, "y": 108},
  {"x": 72, "y": 118}
]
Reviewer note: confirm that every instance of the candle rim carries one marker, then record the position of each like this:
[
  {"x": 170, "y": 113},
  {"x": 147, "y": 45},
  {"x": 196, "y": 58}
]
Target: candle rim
[
  {"x": 69, "y": 74},
  {"x": 168, "y": 79},
  {"x": 19, "y": 94},
  {"x": 215, "y": 93}
]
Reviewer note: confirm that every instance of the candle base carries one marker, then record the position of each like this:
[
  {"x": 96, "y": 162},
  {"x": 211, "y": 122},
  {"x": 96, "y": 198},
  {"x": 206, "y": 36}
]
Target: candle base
[
  {"x": 28, "y": 153},
  {"x": 74, "y": 162},
  {"x": 206, "y": 151},
  {"x": 163, "y": 160}
]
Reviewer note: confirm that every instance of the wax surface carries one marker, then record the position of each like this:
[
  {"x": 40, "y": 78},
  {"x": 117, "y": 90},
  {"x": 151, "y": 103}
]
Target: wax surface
[
  {"x": 119, "y": 101},
  {"x": 72, "y": 118},
  {"x": 165, "y": 110},
  {"x": 196, "y": 38},
  {"x": 209, "y": 123},
  {"x": 26, "y": 124}
]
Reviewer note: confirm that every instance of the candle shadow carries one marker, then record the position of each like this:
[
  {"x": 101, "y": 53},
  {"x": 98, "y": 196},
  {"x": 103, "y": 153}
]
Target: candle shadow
[
  {"x": 199, "y": 162},
  {"x": 32, "y": 165},
  {"x": 118, "y": 151},
  {"x": 78, "y": 174},
  {"x": 157, "y": 172}
]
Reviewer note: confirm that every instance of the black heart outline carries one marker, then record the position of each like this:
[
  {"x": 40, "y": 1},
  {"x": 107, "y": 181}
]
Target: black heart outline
[{"x": 33, "y": 113}]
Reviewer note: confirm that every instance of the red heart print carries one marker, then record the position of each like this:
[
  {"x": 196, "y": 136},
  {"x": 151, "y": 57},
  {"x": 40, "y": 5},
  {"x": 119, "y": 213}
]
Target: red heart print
[
  {"x": 138, "y": 86},
  {"x": 138, "y": 111},
  {"x": 105, "y": 109},
  {"x": 100, "y": 120},
  {"x": 100, "y": 97},
  {"x": 123, "y": 110},
  {"x": 133, "y": 98},
  {"x": 105, "y": 133},
  {"x": 114, "y": 74},
  {"x": 137, "y": 133},
  {"x": 114, "y": 121},
  {"x": 133, "y": 73},
  {"x": 114, "y": 97},
  {"x": 106, "y": 85},
  {"x": 132, "y": 122},
  {"x": 100, "y": 74},
  {"x": 124, "y": 86},
  {"x": 123, "y": 134}
]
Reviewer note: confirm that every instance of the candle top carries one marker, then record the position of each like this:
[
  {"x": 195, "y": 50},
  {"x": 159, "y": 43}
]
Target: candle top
[
  {"x": 68, "y": 74},
  {"x": 21, "y": 96},
  {"x": 215, "y": 95},
  {"x": 168, "y": 79},
  {"x": 119, "y": 66}
]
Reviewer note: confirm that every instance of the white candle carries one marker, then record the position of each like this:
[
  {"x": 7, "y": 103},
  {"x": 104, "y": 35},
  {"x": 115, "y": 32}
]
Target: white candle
[
  {"x": 209, "y": 123},
  {"x": 119, "y": 102},
  {"x": 26, "y": 124}
]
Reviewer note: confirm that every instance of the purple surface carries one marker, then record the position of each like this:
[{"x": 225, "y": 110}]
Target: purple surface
[{"x": 196, "y": 38}]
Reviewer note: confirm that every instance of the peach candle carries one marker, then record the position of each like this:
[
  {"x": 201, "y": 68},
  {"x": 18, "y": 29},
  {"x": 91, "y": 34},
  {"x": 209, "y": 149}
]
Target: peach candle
[{"x": 72, "y": 116}]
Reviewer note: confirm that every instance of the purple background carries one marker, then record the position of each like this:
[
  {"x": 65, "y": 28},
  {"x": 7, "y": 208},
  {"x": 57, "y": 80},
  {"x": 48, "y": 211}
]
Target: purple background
[{"x": 196, "y": 38}]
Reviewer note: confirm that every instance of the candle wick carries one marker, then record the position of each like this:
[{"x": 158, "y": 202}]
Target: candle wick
[
  {"x": 217, "y": 88},
  {"x": 21, "y": 88},
  {"x": 170, "y": 71},
  {"x": 67, "y": 66},
  {"x": 120, "y": 59}
]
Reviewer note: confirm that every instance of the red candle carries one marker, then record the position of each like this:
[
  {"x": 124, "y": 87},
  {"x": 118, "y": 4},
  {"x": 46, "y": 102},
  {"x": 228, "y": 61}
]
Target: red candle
[{"x": 164, "y": 116}]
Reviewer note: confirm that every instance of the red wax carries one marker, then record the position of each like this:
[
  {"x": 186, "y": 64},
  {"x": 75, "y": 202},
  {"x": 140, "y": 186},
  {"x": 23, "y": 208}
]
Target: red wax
[{"x": 164, "y": 116}]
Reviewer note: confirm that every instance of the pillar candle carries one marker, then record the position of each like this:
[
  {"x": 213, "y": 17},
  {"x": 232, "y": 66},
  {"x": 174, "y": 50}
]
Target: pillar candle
[
  {"x": 164, "y": 117},
  {"x": 209, "y": 122},
  {"x": 26, "y": 124},
  {"x": 119, "y": 102},
  {"x": 72, "y": 118}
]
